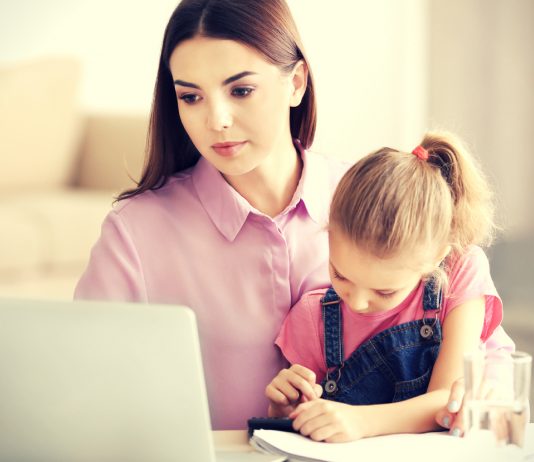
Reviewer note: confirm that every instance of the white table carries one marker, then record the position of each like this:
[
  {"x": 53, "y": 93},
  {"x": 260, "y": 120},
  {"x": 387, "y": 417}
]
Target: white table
[{"x": 237, "y": 441}]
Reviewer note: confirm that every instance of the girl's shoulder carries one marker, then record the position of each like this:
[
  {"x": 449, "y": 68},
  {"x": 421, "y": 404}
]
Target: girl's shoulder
[
  {"x": 469, "y": 278},
  {"x": 310, "y": 302},
  {"x": 314, "y": 296},
  {"x": 472, "y": 258}
]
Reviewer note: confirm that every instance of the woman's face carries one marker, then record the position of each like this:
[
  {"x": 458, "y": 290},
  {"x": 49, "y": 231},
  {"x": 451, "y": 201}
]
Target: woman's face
[{"x": 233, "y": 103}]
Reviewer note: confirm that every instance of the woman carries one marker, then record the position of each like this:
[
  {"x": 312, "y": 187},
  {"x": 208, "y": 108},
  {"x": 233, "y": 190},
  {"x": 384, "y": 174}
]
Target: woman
[{"x": 228, "y": 217}]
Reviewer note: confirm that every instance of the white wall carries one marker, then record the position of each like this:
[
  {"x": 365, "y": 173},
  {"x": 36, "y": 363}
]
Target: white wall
[
  {"x": 385, "y": 70},
  {"x": 117, "y": 41},
  {"x": 368, "y": 58},
  {"x": 369, "y": 61},
  {"x": 482, "y": 86}
]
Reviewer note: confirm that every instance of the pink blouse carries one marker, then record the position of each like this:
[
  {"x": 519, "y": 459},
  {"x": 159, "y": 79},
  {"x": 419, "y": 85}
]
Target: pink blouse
[{"x": 197, "y": 242}]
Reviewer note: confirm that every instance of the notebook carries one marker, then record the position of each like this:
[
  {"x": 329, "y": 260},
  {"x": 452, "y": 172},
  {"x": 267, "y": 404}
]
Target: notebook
[
  {"x": 424, "y": 447},
  {"x": 103, "y": 381}
]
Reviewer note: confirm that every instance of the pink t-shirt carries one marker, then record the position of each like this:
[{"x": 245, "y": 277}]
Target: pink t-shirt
[
  {"x": 301, "y": 338},
  {"x": 197, "y": 242}
]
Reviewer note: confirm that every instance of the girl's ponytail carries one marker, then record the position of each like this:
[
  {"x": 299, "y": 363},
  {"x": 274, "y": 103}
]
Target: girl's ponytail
[
  {"x": 473, "y": 211},
  {"x": 391, "y": 202}
]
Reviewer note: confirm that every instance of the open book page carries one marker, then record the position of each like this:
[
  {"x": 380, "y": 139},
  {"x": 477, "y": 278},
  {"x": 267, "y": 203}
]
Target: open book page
[{"x": 398, "y": 448}]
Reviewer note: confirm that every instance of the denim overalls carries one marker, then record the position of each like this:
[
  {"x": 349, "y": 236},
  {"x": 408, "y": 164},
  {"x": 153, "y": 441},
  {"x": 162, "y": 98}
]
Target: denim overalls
[{"x": 394, "y": 365}]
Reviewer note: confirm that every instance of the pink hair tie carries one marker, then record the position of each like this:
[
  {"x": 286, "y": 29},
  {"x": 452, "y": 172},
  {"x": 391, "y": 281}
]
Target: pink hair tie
[{"x": 420, "y": 152}]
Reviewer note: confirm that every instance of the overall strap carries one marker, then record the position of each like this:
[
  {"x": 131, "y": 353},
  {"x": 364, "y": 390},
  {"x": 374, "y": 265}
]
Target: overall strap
[
  {"x": 432, "y": 295},
  {"x": 333, "y": 334}
]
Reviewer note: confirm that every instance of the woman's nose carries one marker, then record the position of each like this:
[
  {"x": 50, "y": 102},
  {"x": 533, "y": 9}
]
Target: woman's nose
[{"x": 219, "y": 117}]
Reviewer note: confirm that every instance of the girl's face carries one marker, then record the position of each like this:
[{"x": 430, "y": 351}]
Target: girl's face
[
  {"x": 233, "y": 103},
  {"x": 368, "y": 284}
]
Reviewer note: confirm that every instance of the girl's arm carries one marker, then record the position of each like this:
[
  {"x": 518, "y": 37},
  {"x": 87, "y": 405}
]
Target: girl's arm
[{"x": 336, "y": 422}]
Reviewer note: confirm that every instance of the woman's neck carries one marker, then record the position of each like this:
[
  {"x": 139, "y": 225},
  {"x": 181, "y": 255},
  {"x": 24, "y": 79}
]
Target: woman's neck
[{"x": 270, "y": 187}]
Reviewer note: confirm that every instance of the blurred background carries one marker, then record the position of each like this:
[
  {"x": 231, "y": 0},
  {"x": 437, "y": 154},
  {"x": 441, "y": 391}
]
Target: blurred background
[{"x": 76, "y": 81}]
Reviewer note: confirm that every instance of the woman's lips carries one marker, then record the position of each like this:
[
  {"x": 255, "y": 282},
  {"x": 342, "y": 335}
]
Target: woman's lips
[{"x": 229, "y": 148}]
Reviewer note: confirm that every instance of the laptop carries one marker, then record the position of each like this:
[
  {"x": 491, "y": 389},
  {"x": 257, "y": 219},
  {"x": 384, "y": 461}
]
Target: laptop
[{"x": 103, "y": 381}]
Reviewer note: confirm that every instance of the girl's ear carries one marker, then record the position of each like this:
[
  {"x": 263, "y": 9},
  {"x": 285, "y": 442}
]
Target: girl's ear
[
  {"x": 441, "y": 256},
  {"x": 299, "y": 81}
]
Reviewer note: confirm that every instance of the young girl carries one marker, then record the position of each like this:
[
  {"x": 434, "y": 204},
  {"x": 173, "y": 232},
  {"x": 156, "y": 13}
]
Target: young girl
[{"x": 411, "y": 292}]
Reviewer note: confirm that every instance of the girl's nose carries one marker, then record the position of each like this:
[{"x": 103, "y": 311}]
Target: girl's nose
[{"x": 358, "y": 301}]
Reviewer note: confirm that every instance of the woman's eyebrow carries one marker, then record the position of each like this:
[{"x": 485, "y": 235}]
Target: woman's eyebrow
[
  {"x": 237, "y": 77},
  {"x": 231, "y": 79},
  {"x": 183, "y": 83}
]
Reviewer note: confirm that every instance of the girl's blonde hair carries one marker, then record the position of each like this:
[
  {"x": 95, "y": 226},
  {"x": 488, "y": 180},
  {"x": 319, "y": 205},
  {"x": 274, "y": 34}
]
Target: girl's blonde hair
[{"x": 392, "y": 201}]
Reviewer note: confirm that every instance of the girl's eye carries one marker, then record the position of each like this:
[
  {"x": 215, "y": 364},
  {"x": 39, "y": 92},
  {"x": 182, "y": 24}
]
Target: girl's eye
[
  {"x": 386, "y": 294},
  {"x": 189, "y": 98},
  {"x": 338, "y": 276},
  {"x": 242, "y": 92}
]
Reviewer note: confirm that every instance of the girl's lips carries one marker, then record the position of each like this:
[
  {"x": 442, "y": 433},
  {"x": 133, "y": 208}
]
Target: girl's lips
[{"x": 228, "y": 149}]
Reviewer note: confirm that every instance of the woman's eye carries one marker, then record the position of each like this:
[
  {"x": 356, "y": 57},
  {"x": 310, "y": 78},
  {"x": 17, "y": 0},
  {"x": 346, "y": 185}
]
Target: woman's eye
[
  {"x": 189, "y": 98},
  {"x": 242, "y": 92}
]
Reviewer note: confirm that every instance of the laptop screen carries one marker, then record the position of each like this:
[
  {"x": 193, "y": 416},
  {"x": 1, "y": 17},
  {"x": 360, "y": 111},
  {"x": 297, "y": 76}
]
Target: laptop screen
[{"x": 101, "y": 381}]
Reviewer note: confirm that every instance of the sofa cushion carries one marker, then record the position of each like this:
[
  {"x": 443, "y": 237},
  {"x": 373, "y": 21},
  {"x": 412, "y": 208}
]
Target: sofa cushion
[
  {"x": 113, "y": 151},
  {"x": 54, "y": 284},
  {"x": 48, "y": 231},
  {"x": 39, "y": 123}
]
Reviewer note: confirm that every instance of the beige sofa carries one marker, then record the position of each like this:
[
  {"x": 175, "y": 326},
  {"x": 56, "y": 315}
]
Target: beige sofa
[{"x": 61, "y": 169}]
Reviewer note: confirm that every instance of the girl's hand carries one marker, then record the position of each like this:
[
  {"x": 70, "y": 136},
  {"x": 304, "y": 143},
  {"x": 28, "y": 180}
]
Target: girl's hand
[
  {"x": 329, "y": 421},
  {"x": 290, "y": 388}
]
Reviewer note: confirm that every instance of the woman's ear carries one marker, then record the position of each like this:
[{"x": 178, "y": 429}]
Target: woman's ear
[{"x": 299, "y": 80}]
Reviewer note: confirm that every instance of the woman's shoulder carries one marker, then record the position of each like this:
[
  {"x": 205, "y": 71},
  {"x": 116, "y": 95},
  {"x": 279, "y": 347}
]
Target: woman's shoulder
[
  {"x": 334, "y": 166},
  {"x": 176, "y": 186},
  {"x": 320, "y": 178}
]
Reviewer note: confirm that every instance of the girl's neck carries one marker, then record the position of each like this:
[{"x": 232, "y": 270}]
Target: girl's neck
[{"x": 270, "y": 187}]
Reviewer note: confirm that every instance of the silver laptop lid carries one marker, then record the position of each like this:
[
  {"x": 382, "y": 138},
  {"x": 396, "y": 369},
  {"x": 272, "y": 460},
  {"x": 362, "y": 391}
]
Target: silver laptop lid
[{"x": 100, "y": 381}]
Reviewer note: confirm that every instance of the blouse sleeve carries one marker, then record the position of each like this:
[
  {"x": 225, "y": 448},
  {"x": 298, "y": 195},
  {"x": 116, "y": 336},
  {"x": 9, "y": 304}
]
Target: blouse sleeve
[
  {"x": 114, "y": 271},
  {"x": 469, "y": 279},
  {"x": 299, "y": 337}
]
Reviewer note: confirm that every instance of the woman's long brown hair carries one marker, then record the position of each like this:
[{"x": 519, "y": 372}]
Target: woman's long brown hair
[{"x": 265, "y": 25}]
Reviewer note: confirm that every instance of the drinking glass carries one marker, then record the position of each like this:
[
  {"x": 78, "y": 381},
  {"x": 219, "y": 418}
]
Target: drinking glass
[{"x": 497, "y": 386}]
